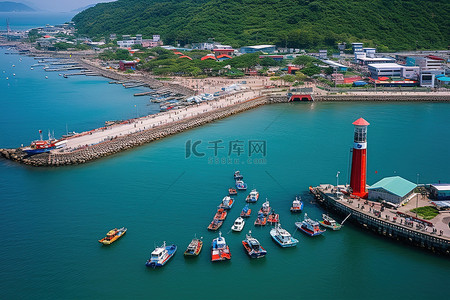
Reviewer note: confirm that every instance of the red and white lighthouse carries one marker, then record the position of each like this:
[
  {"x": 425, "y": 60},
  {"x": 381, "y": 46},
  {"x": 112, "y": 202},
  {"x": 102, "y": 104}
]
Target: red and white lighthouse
[{"x": 359, "y": 159}]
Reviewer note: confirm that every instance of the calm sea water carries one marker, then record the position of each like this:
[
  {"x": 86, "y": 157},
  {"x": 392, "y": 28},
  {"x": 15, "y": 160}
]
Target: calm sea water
[
  {"x": 52, "y": 217},
  {"x": 28, "y": 20}
]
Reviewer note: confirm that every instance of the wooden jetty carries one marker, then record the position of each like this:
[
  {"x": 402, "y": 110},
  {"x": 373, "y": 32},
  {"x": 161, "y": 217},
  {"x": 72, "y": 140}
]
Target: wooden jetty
[{"x": 381, "y": 223}]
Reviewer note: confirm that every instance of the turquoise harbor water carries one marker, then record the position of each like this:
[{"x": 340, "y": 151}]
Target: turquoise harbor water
[{"x": 52, "y": 217}]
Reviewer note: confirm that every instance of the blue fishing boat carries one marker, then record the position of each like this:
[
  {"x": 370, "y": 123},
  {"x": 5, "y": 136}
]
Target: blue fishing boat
[
  {"x": 282, "y": 237},
  {"x": 309, "y": 226},
  {"x": 246, "y": 211},
  {"x": 161, "y": 255},
  {"x": 241, "y": 185},
  {"x": 252, "y": 197},
  {"x": 227, "y": 202},
  {"x": 253, "y": 247}
]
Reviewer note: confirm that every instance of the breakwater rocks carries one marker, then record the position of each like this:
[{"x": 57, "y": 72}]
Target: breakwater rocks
[{"x": 123, "y": 143}]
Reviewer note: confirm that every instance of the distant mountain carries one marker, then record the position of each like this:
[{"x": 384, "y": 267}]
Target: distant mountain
[
  {"x": 84, "y": 7},
  {"x": 306, "y": 24},
  {"x": 7, "y": 6}
]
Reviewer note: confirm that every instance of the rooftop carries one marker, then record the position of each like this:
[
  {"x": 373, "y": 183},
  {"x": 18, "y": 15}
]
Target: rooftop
[
  {"x": 395, "y": 185},
  {"x": 441, "y": 186},
  {"x": 361, "y": 122},
  {"x": 388, "y": 65},
  {"x": 259, "y": 46},
  {"x": 376, "y": 58}
]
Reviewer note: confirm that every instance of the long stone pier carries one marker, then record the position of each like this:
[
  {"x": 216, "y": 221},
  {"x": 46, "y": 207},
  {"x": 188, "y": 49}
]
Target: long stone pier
[{"x": 120, "y": 143}]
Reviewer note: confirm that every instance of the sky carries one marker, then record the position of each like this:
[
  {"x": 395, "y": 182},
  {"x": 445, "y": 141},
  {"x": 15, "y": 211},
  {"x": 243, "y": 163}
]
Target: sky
[{"x": 58, "y": 5}]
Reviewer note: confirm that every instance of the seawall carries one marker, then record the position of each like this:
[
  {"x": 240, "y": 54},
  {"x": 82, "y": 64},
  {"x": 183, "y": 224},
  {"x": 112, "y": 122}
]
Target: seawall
[{"x": 123, "y": 143}]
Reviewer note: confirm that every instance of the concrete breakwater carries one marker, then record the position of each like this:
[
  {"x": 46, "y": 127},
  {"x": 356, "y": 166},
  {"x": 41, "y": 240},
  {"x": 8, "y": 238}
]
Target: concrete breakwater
[{"x": 122, "y": 143}]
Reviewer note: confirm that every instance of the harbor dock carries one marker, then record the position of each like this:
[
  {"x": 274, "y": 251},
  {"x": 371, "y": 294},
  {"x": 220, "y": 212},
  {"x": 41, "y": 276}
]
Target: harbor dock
[{"x": 396, "y": 224}]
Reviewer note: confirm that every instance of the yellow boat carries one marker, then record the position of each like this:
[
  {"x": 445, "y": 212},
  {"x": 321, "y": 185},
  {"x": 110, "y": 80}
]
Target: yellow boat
[{"x": 113, "y": 235}]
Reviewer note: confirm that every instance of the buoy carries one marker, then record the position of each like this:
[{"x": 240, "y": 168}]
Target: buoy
[
  {"x": 14, "y": 74},
  {"x": 13, "y": 66},
  {"x": 7, "y": 78},
  {"x": 32, "y": 68},
  {"x": 46, "y": 77}
]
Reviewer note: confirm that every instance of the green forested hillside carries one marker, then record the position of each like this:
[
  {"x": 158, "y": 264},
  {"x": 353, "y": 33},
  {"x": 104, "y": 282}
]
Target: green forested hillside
[{"x": 310, "y": 24}]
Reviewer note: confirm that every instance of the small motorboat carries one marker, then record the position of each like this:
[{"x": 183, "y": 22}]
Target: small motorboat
[
  {"x": 261, "y": 220},
  {"x": 238, "y": 175},
  {"x": 282, "y": 237},
  {"x": 297, "y": 205},
  {"x": 246, "y": 211},
  {"x": 329, "y": 222},
  {"x": 238, "y": 224},
  {"x": 113, "y": 235},
  {"x": 309, "y": 226},
  {"x": 161, "y": 255},
  {"x": 215, "y": 224},
  {"x": 194, "y": 247},
  {"x": 220, "y": 249},
  {"x": 273, "y": 217},
  {"x": 241, "y": 185},
  {"x": 232, "y": 192},
  {"x": 227, "y": 202},
  {"x": 252, "y": 197},
  {"x": 265, "y": 209},
  {"x": 253, "y": 247},
  {"x": 221, "y": 214}
]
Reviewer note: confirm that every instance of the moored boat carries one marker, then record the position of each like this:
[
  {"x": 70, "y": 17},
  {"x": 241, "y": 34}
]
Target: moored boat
[
  {"x": 282, "y": 237},
  {"x": 329, "y": 222},
  {"x": 252, "y": 197},
  {"x": 273, "y": 217},
  {"x": 253, "y": 247},
  {"x": 221, "y": 214},
  {"x": 113, "y": 235},
  {"x": 215, "y": 224},
  {"x": 238, "y": 224},
  {"x": 194, "y": 247},
  {"x": 246, "y": 211},
  {"x": 232, "y": 191},
  {"x": 241, "y": 185},
  {"x": 261, "y": 220},
  {"x": 265, "y": 209},
  {"x": 238, "y": 175},
  {"x": 161, "y": 255},
  {"x": 220, "y": 249},
  {"x": 309, "y": 226},
  {"x": 297, "y": 205},
  {"x": 227, "y": 202}
]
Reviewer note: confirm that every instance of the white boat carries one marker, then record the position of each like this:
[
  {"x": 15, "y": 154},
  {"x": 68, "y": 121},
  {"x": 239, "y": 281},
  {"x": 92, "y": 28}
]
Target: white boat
[
  {"x": 161, "y": 255},
  {"x": 227, "y": 202},
  {"x": 238, "y": 224},
  {"x": 220, "y": 249},
  {"x": 252, "y": 197},
  {"x": 329, "y": 222},
  {"x": 282, "y": 237}
]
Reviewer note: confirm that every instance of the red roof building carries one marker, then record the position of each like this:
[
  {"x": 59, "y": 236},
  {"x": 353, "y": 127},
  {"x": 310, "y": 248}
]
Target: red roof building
[
  {"x": 223, "y": 51},
  {"x": 127, "y": 65},
  {"x": 185, "y": 56}
]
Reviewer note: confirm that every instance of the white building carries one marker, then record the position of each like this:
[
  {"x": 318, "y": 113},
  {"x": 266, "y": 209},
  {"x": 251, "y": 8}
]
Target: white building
[
  {"x": 391, "y": 189},
  {"x": 412, "y": 73},
  {"x": 385, "y": 70},
  {"x": 364, "y": 60}
]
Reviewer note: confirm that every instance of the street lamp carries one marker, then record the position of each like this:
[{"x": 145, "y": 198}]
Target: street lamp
[{"x": 337, "y": 178}]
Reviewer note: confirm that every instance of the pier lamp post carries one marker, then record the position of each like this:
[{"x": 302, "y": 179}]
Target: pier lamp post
[{"x": 337, "y": 178}]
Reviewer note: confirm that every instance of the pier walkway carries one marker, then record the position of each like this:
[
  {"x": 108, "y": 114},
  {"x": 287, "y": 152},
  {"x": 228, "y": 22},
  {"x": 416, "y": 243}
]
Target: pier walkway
[
  {"x": 398, "y": 224},
  {"x": 141, "y": 124}
]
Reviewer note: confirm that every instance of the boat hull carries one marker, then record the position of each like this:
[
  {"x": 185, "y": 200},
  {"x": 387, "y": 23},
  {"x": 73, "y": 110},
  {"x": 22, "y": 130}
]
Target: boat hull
[
  {"x": 293, "y": 242},
  {"x": 252, "y": 253},
  {"x": 337, "y": 227},
  {"x": 157, "y": 264},
  {"x": 307, "y": 231}
]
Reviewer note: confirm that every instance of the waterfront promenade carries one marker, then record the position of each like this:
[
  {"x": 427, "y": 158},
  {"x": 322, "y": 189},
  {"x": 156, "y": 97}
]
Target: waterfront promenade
[{"x": 400, "y": 224}]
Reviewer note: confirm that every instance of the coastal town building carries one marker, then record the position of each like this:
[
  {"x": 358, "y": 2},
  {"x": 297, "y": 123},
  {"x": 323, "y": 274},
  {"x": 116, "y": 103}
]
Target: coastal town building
[
  {"x": 257, "y": 48},
  {"x": 336, "y": 65},
  {"x": 323, "y": 54},
  {"x": 128, "y": 41},
  {"x": 223, "y": 49},
  {"x": 363, "y": 60},
  {"x": 391, "y": 189},
  {"x": 357, "y": 47},
  {"x": 127, "y": 65},
  {"x": 440, "y": 191}
]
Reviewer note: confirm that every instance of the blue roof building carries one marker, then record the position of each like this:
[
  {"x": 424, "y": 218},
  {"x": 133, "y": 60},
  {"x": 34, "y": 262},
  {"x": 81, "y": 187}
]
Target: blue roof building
[
  {"x": 257, "y": 48},
  {"x": 391, "y": 189}
]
